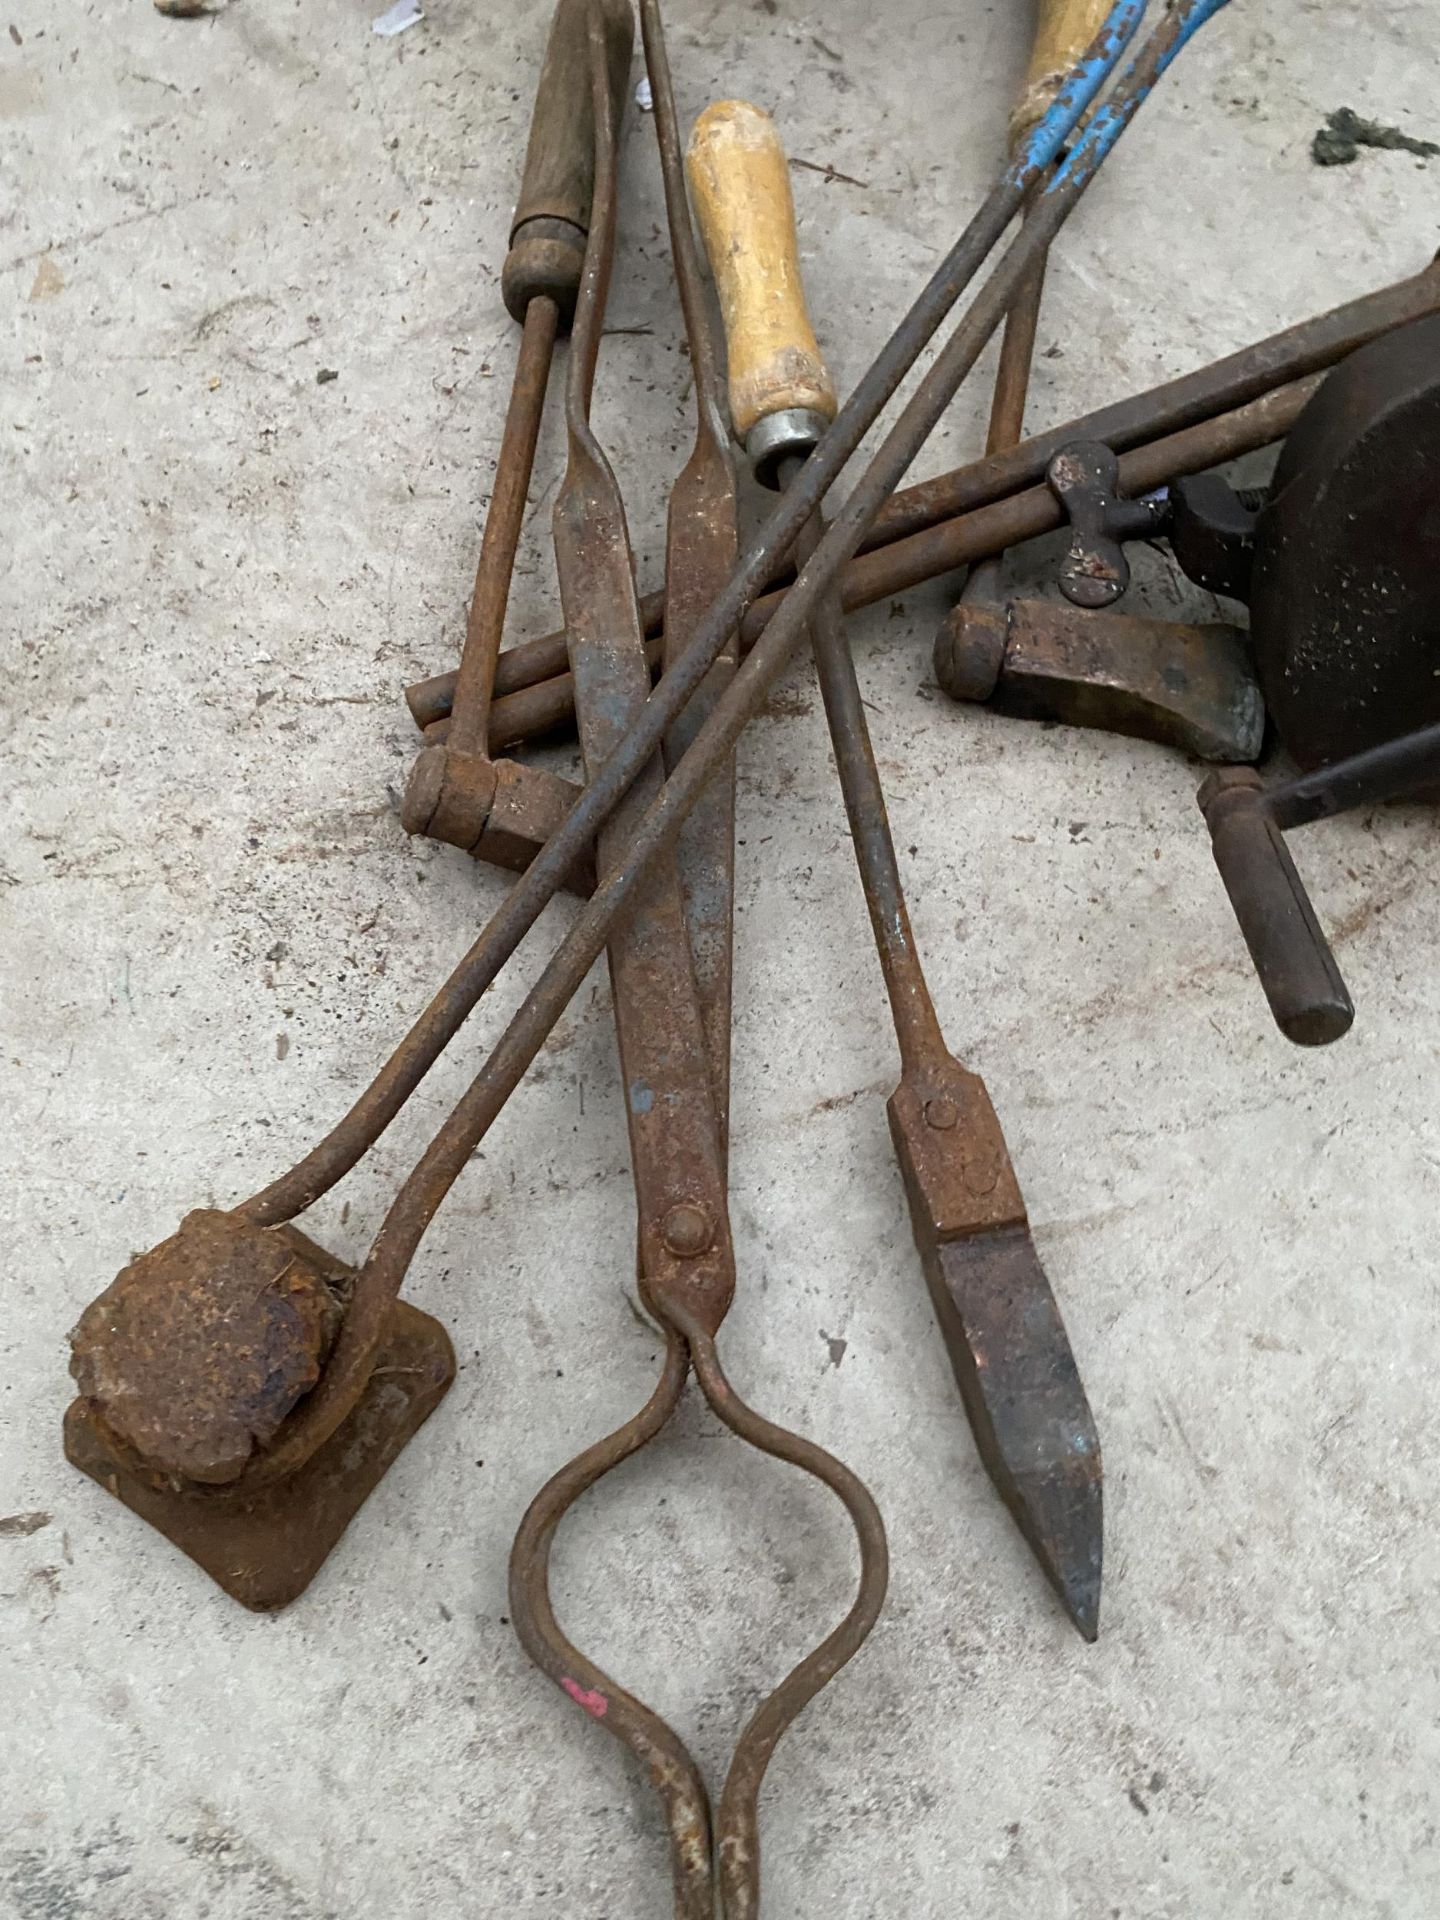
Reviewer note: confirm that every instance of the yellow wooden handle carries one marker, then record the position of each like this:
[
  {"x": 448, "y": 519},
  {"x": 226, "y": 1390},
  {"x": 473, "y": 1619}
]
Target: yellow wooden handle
[
  {"x": 1063, "y": 30},
  {"x": 741, "y": 188}
]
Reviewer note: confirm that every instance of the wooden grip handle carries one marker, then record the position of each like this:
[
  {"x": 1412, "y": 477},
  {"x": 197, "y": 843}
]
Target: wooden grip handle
[
  {"x": 741, "y": 188},
  {"x": 559, "y": 177},
  {"x": 1063, "y": 30}
]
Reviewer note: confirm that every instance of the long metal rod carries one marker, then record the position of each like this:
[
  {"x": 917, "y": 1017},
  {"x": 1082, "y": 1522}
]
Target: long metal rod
[
  {"x": 1311, "y": 347},
  {"x": 917, "y": 1027},
  {"x": 485, "y": 624},
  {"x": 1400, "y": 767},
  {"x": 702, "y": 547},
  {"x": 332, "y": 1157},
  {"x": 415, "y": 1206}
]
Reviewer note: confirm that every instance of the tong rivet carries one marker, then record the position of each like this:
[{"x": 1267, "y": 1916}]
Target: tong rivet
[
  {"x": 942, "y": 1113},
  {"x": 687, "y": 1229}
]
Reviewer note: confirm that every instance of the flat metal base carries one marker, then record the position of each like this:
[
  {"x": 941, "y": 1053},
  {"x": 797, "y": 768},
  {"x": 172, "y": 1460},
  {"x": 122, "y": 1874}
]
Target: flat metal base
[{"x": 265, "y": 1548}]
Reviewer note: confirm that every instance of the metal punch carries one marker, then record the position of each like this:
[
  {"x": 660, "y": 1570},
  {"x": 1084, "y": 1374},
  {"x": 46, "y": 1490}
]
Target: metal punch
[{"x": 669, "y": 971}]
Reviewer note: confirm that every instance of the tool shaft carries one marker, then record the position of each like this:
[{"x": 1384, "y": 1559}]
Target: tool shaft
[
  {"x": 1248, "y": 822},
  {"x": 674, "y": 1132},
  {"x": 1408, "y": 765},
  {"x": 917, "y": 1030},
  {"x": 702, "y": 546},
  {"x": 485, "y": 625}
]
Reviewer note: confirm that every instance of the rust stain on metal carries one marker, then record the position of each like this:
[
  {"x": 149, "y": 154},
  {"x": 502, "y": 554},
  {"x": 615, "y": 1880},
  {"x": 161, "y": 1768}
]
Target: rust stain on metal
[
  {"x": 196, "y": 1353},
  {"x": 265, "y": 1546}
]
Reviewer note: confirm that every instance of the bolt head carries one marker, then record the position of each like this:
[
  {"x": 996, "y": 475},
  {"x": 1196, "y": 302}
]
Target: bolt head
[{"x": 941, "y": 1113}]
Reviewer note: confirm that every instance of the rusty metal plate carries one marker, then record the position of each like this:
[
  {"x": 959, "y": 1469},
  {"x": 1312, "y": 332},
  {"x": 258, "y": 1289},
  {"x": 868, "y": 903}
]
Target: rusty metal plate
[{"x": 265, "y": 1548}]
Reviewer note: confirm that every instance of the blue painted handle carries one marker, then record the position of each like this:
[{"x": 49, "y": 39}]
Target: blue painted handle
[
  {"x": 1110, "y": 121},
  {"x": 1074, "y": 99}
]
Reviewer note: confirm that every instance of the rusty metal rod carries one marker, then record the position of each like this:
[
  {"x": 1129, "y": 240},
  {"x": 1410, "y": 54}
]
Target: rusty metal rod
[
  {"x": 540, "y": 280},
  {"x": 1310, "y": 347},
  {"x": 383, "y": 1272},
  {"x": 883, "y": 572},
  {"x": 485, "y": 623},
  {"x": 1248, "y": 821}
]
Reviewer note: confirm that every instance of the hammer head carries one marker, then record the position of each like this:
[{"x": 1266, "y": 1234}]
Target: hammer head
[
  {"x": 497, "y": 810},
  {"x": 1185, "y": 686}
]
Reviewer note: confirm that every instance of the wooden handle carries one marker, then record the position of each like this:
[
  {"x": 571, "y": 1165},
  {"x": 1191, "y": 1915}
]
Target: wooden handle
[
  {"x": 1063, "y": 30},
  {"x": 552, "y": 215},
  {"x": 741, "y": 188}
]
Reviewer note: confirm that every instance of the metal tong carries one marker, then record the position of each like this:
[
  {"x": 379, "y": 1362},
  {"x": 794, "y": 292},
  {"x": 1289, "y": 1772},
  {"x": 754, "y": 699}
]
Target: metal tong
[{"x": 674, "y": 1071}]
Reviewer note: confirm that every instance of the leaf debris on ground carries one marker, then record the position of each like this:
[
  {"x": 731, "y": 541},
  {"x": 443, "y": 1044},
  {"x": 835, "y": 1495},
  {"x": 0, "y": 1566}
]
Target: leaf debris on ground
[{"x": 1339, "y": 141}]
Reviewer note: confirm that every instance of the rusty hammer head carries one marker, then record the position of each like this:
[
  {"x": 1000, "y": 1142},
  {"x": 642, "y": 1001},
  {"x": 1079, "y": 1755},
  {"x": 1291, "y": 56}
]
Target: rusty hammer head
[
  {"x": 497, "y": 810},
  {"x": 1185, "y": 686}
]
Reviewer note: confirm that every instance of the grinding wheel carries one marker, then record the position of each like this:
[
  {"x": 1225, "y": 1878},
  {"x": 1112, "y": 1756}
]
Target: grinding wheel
[{"x": 1345, "y": 593}]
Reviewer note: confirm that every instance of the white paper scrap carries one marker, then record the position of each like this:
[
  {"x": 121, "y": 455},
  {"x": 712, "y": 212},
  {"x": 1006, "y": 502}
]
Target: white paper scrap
[{"x": 404, "y": 13}]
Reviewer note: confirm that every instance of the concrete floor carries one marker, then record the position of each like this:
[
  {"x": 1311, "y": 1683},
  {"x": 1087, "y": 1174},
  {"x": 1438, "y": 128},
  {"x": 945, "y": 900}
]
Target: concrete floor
[{"x": 218, "y": 574}]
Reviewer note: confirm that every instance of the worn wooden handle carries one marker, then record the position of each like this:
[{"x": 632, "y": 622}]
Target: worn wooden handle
[
  {"x": 741, "y": 188},
  {"x": 1063, "y": 30},
  {"x": 552, "y": 214}
]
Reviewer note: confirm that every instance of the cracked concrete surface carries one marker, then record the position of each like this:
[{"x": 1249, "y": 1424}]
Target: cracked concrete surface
[{"x": 219, "y": 571}]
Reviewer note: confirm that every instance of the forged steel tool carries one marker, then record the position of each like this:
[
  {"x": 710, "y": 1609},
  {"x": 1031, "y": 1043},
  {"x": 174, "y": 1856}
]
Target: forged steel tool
[
  {"x": 530, "y": 702},
  {"x": 1336, "y": 559},
  {"x": 687, "y": 1269},
  {"x": 1085, "y": 665},
  {"x": 296, "y": 1434},
  {"x": 1002, "y": 1328},
  {"x": 463, "y": 795},
  {"x": 1248, "y": 822}
]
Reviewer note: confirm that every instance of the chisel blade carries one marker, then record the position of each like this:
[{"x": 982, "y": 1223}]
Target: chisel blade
[{"x": 1022, "y": 1390}]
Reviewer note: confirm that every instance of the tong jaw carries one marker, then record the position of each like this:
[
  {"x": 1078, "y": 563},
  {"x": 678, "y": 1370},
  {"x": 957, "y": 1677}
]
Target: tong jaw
[{"x": 189, "y": 1366}]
